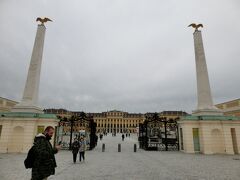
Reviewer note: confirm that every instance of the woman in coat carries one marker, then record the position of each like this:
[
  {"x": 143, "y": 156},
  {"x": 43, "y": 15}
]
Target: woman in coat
[{"x": 82, "y": 149}]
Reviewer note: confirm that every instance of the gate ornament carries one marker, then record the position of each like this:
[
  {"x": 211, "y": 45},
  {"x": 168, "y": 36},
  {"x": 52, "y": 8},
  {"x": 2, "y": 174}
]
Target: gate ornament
[
  {"x": 158, "y": 133},
  {"x": 75, "y": 123},
  {"x": 196, "y": 26},
  {"x": 43, "y": 20}
]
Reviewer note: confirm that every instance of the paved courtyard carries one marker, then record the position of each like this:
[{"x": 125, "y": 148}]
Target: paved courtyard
[{"x": 127, "y": 165}]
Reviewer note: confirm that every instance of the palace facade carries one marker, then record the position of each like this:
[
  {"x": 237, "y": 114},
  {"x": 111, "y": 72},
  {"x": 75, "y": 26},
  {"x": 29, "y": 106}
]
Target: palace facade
[{"x": 114, "y": 121}]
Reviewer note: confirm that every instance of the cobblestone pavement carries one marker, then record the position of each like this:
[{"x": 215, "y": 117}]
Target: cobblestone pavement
[{"x": 127, "y": 165}]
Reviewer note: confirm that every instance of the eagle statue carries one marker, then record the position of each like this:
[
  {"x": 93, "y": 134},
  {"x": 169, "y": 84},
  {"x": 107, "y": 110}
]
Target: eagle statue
[
  {"x": 196, "y": 26},
  {"x": 43, "y": 20}
]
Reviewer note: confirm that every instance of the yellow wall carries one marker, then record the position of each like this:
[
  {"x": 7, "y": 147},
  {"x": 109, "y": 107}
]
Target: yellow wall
[
  {"x": 117, "y": 121},
  {"x": 17, "y": 134},
  {"x": 215, "y": 136},
  {"x": 230, "y": 108},
  {"x": 6, "y": 104}
]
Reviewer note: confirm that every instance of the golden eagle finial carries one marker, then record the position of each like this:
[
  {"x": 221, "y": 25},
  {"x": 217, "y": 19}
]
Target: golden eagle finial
[
  {"x": 43, "y": 20},
  {"x": 196, "y": 26}
]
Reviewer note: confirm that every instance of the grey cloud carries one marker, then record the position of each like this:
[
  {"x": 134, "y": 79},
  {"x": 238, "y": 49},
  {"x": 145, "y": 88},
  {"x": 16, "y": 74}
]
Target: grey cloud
[{"x": 134, "y": 55}]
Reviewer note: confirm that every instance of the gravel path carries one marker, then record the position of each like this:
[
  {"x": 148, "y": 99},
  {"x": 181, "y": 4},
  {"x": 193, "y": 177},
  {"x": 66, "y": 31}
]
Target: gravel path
[{"x": 127, "y": 165}]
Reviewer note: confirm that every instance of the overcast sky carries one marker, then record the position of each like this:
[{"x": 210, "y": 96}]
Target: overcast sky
[{"x": 129, "y": 55}]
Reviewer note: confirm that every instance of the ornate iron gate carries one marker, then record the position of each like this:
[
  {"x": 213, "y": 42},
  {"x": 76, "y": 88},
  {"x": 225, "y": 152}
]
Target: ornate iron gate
[
  {"x": 158, "y": 133},
  {"x": 71, "y": 128}
]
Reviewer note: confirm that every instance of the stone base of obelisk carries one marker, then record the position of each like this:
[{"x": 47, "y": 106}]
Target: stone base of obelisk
[
  {"x": 19, "y": 130},
  {"x": 29, "y": 109},
  {"x": 209, "y": 134},
  {"x": 206, "y": 112}
]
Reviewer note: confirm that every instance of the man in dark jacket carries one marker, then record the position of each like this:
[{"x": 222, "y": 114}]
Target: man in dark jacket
[
  {"x": 122, "y": 137},
  {"x": 75, "y": 149},
  {"x": 45, "y": 163}
]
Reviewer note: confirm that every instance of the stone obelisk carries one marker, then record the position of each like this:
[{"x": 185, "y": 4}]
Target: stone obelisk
[
  {"x": 205, "y": 103},
  {"x": 29, "y": 102}
]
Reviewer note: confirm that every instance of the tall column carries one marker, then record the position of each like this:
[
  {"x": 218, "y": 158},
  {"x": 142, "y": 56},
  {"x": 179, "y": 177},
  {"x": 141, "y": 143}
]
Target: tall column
[
  {"x": 30, "y": 95},
  {"x": 205, "y": 102}
]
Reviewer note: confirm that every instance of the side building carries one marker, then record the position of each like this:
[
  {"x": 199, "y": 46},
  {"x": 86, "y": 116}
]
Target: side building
[
  {"x": 230, "y": 108},
  {"x": 6, "y": 104},
  {"x": 18, "y": 129}
]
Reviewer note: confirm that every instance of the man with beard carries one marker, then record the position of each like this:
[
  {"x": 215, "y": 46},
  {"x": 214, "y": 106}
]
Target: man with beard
[{"x": 44, "y": 164}]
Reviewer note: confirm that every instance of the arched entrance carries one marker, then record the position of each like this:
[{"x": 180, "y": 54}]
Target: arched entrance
[
  {"x": 16, "y": 140},
  {"x": 217, "y": 142}
]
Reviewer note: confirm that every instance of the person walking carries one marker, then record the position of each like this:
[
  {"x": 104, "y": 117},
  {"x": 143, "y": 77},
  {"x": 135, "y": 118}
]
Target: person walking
[
  {"x": 75, "y": 149},
  {"x": 96, "y": 140},
  {"x": 82, "y": 149},
  {"x": 44, "y": 162},
  {"x": 122, "y": 137}
]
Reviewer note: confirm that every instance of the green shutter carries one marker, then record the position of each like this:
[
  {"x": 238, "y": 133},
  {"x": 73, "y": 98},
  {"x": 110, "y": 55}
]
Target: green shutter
[{"x": 196, "y": 139}]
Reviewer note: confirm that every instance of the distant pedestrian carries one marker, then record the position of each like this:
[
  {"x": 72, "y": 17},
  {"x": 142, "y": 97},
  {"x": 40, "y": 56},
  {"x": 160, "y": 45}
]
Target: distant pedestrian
[
  {"x": 82, "y": 149},
  {"x": 96, "y": 140},
  {"x": 44, "y": 164},
  {"x": 126, "y": 134},
  {"x": 101, "y": 136},
  {"x": 75, "y": 149},
  {"x": 122, "y": 137},
  {"x": 129, "y": 135}
]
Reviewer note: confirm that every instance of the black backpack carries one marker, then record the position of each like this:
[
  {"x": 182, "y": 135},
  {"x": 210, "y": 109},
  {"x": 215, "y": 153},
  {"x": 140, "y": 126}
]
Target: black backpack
[{"x": 28, "y": 162}]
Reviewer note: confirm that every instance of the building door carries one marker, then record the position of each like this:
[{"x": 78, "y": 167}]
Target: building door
[
  {"x": 16, "y": 140},
  {"x": 217, "y": 142},
  {"x": 196, "y": 142},
  {"x": 234, "y": 141}
]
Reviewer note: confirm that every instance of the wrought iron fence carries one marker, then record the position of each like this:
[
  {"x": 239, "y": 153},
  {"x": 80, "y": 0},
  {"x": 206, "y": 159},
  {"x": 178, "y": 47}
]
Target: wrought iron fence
[{"x": 158, "y": 133}]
